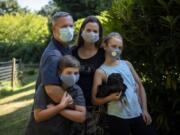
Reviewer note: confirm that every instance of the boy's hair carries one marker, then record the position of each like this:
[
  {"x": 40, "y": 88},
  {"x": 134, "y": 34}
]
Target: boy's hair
[
  {"x": 112, "y": 35},
  {"x": 68, "y": 61}
]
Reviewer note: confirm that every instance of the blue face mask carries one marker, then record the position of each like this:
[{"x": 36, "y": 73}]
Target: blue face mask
[
  {"x": 114, "y": 53},
  {"x": 66, "y": 34},
  {"x": 69, "y": 80}
]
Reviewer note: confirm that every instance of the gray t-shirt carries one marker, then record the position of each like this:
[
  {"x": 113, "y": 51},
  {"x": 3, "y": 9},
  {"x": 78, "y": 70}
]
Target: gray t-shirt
[
  {"x": 41, "y": 99},
  {"x": 57, "y": 125}
]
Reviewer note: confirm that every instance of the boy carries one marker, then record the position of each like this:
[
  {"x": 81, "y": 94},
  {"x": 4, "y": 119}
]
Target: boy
[{"x": 49, "y": 118}]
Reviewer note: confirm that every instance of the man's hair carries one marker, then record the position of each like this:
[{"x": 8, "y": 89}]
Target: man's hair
[
  {"x": 57, "y": 15},
  {"x": 68, "y": 61}
]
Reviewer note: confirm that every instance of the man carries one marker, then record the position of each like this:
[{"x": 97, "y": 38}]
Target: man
[{"x": 62, "y": 29}]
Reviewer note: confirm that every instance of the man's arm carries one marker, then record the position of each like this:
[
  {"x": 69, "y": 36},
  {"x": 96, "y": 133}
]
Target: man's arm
[{"x": 55, "y": 92}]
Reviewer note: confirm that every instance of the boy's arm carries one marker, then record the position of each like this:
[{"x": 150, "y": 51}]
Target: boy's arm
[
  {"x": 77, "y": 115},
  {"x": 142, "y": 94},
  {"x": 98, "y": 78},
  {"x": 47, "y": 113}
]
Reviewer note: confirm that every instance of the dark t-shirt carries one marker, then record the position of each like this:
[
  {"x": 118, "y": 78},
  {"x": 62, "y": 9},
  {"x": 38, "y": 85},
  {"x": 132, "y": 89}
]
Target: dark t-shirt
[
  {"x": 57, "y": 125},
  {"x": 87, "y": 70}
]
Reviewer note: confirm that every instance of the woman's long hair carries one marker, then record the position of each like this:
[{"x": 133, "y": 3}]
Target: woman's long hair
[{"x": 91, "y": 19}]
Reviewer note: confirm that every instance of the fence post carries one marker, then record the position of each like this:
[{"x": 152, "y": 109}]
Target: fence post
[{"x": 13, "y": 77}]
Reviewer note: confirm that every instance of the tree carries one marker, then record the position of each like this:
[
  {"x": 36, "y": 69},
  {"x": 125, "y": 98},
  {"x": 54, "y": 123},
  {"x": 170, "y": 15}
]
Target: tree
[
  {"x": 49, "y": 9},
  {"x": 83, "y": 8},
  {"x": 23, "y": 36},
  {"x": 9, "y": 6}
]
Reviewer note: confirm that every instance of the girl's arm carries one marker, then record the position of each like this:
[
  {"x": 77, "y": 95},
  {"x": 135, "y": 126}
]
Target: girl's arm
[
  {"x": 142, "y": 94},
  {"x": 141, "y": 90},
  {"x": 98, "y": 78},
  {"x": 45, "y": 114},
  {"x": 77, "y": 115}
]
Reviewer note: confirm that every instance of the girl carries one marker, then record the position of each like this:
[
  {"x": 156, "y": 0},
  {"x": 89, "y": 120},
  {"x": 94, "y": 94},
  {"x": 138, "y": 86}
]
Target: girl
[
  {"x": 130, "y": 116},
  {"x": 49, "y": 118}
]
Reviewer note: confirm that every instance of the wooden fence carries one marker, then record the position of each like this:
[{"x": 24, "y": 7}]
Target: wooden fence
[{"x": 9, "y": 71}]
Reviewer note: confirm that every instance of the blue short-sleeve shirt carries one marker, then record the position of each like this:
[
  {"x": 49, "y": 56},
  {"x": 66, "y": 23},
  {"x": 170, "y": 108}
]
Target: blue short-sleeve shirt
[{"x": 49, "y": 63}]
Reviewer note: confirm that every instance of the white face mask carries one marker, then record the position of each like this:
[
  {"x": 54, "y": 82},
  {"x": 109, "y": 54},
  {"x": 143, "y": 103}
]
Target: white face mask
[
  {"x": 66, "y": 34},
  {"x": 114, "y": 53},
  {"x": 90, "y": 37}
]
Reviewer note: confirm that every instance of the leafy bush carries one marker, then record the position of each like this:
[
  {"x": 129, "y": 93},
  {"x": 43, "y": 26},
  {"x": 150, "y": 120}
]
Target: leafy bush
[
  {"x": 151, "y": 32},
  {"x": 23, "y": 36}
]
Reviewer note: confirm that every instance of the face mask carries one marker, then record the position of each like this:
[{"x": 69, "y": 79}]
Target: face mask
[
  {"x": 114, "y": 53},
  {"x": 69, "y": 80},
  {"x": 90, "y": 37},
  {"x": 66, "y": 34}
]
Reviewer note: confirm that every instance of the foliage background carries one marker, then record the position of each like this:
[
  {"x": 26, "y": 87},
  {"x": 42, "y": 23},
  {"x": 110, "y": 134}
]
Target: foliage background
[
  {"x": 23, "y": 36},
  {"x": 151, "y": 32}
]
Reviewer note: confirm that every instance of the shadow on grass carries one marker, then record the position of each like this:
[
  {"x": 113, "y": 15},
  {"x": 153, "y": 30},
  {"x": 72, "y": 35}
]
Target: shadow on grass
[
  {"x": 15, "y": 123},
  {"x": 16, "y": 108}
]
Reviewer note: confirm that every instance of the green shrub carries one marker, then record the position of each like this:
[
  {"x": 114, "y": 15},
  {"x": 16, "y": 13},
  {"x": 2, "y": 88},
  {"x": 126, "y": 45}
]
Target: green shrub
[
  {"x": 23, "y": 36},
  {"x": 151, "y": 32}
]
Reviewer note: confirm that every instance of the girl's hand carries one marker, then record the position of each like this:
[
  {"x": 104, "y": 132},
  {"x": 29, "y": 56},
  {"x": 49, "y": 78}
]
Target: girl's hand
[
  {"x": 115, "y": 96},
  {"x": 147, "y": 118}
]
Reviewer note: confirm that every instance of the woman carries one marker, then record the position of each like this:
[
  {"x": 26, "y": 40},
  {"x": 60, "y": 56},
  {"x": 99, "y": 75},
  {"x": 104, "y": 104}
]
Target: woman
[{"x": 90, "y": 55}]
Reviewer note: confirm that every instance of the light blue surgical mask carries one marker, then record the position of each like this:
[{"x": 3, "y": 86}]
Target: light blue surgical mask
[
  {"x": 90, "y": 37},
  {"x": 114, "y": 53},
  {"x": 66, "y": 34},
  {"x": 69, "y": 80}
]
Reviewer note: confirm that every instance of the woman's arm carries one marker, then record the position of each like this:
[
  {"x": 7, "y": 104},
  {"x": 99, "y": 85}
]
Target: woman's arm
[
  {"x": 98, "y": 78},
  {"x": 77, "y": 115}
]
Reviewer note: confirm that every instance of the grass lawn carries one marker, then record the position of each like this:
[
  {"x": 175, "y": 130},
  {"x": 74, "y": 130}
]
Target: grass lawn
[{"x": 15, "y": 107}]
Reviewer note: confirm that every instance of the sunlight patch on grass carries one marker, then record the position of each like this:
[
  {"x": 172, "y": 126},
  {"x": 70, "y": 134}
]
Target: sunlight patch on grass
[
  {"x": 16, "y": 96},
  {"x": 12, "y": 107},
  {"x": 28, "y": 85}
]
